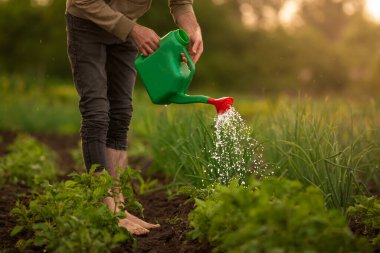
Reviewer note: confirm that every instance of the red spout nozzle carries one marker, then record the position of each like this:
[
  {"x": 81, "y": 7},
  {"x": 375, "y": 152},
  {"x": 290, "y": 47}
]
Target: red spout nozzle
[{"x": 221, "y": 104}]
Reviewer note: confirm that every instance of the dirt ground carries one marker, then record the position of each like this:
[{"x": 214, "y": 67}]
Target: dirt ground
[{"x": 170, "y": 213}]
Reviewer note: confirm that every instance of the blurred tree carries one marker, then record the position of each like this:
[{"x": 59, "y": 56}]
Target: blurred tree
[
  {"x": 33, "y": 38},
  {"x": 332, "y": 48},
  {"x": 330, "y": 17}
]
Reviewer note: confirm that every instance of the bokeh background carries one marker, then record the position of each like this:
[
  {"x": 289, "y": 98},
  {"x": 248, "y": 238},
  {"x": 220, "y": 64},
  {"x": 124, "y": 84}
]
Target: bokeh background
[{"x": 253, "y": 47}]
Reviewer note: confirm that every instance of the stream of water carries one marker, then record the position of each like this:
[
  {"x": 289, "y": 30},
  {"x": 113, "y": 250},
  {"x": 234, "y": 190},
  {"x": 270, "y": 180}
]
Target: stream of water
[{"x": 235, "y": 154}]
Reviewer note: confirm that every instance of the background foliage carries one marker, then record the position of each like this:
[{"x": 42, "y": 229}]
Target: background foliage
[{"x": 329, "y": 47}]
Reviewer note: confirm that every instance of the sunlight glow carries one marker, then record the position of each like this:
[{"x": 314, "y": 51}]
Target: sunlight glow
[
  {"x": 288, "y": 12},
  {"x": 248, "y": 16},
  {"x": 373, "y": 9}
]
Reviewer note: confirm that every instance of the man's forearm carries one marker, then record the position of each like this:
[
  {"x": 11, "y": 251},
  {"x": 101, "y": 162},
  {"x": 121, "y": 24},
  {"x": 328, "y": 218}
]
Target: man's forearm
[{"x": 188, "y": 22}]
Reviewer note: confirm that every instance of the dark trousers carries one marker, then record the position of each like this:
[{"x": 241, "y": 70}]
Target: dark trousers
[{"x": 104, "y": 76}]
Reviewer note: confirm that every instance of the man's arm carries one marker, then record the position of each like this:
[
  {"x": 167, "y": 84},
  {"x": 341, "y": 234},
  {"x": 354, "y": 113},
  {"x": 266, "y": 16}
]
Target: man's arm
[
  {"x": 146, "y": 39},
  {"x": 188, "y": 22},
  {"x": 115, "y": 22},
  {"x": 183, "y": 14}
]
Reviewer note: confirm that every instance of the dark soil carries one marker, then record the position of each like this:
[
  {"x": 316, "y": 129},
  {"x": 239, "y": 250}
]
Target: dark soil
[
  {"x": 6, "y": 138},
  {"x": 170, "y": 213},
  {"x": 62, "y": 145},
  {"x": 172, "y": 216},
  {"x": 8, "y": 196}
]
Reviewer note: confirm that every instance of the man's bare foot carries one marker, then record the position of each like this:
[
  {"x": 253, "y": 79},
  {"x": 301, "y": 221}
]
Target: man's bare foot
[
  {"x": 132, "y": 227},
  {"x": 140, "y": 222},
  {"x": 133, "y": 219}
]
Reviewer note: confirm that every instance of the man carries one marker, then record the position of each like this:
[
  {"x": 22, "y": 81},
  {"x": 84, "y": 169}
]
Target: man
[{"x": 103, "y": 41}]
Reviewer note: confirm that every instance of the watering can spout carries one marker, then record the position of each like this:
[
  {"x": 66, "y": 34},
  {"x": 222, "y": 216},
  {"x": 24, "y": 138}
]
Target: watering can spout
[
  {"x": 221, "y": 104},
  {"x": 181, "y": 98}
]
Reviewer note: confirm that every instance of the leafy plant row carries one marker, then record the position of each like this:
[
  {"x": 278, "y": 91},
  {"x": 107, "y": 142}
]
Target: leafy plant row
[
  {"x": 365, "y": 219},
  {"x": 28, "y": 162},
  {"x": 271, "y": 215},
  {"x": 65, "y": 216},
  {"x": 70, "y": 216}
]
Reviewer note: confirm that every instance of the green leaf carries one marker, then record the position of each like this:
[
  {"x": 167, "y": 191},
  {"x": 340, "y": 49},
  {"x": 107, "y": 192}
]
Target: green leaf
[
  {"x": 17, "y": 229},
  {"x": 119, "y": 237}
]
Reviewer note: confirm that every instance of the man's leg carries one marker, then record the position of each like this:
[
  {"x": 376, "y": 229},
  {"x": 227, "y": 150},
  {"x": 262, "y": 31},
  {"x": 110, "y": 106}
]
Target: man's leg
[
  {"x": 121, "y": 79},
  {"x": 87, "y": 54},
  {"x": 118, "y": 159}
]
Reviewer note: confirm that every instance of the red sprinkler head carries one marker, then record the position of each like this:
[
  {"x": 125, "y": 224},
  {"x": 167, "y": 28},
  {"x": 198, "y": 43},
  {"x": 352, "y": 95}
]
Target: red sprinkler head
[{"x": 221, "y": 104}]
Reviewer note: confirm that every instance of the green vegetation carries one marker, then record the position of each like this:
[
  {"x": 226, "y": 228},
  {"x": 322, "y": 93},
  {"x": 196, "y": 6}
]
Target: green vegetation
[
  {"x": 69, "y": 216},
  {"x": 330, "y": 144},
  {"x": 29, "y": 162},
  {"x": 365, "y": 217},
  {"x": 272, "y": 215},
  {"x": 66, "y": 216},
  {"x": 324, "y": 144},
  {"x": 35, "y": 106}
]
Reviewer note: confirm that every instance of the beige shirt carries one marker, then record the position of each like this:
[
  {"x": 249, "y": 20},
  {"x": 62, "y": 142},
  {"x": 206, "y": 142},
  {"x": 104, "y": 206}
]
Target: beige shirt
[{"x": 118, "y": 16}]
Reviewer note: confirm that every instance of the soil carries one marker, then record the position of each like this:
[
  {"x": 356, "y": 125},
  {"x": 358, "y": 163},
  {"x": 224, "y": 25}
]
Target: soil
[{"x": 171, "y": 213}]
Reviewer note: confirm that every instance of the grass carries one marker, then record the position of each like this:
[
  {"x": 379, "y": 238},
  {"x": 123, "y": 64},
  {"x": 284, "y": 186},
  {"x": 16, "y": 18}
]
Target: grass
[
  {"x": 323, "y": 144},
  {"x": 185, "y": 146}
]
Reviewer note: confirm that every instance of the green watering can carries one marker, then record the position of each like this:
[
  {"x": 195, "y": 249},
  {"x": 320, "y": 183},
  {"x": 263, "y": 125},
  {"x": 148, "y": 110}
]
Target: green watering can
[{"x": 167, "y": 78}]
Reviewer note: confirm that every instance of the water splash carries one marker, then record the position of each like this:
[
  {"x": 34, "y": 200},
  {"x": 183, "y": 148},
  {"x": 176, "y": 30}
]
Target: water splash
[{"x": 235, "y": 153}]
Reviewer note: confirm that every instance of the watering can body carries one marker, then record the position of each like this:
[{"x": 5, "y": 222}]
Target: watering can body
[{"x": 164, "y": 75}]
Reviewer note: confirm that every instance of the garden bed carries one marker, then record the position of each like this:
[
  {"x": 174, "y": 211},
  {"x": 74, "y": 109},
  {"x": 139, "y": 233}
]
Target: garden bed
[{"x": 170, "y": 213}]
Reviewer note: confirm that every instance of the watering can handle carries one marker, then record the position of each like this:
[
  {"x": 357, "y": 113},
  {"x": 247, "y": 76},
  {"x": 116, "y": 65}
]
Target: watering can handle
[{"x": 190, "y": 62}]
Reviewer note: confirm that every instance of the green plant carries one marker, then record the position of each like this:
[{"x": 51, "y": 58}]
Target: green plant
[
  {"x": 70, "y": 216},
  {"x": 365, "y": 218},
  {"x": 274, "y": 215},
  {"x": 318, "y": 145},
  {"x": 179, "y": 149},
  {"x": 29, "y": 162}
]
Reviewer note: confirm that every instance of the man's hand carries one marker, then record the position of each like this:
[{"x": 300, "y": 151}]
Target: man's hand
[
  {"x": 196, "y": 44},
  {"x": 188, "y": 22},
  {"x": 147, "y": 41}
]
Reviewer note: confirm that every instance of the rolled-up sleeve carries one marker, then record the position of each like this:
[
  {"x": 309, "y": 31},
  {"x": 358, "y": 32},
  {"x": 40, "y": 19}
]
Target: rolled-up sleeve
[
  {"x": 179, "y": 7},
  {"x": 103, "y": 15}
]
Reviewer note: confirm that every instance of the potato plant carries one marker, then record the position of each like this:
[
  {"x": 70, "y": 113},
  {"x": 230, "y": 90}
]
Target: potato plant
[
  {"x": 365, "y": 218},
  {"x": 70, "y": 216},
  {"x": 29, "y": 162},
  {"x": 274, "y": 215}
]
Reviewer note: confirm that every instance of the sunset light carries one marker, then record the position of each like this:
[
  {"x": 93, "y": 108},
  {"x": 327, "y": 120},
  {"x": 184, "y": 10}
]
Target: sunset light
[{"x": 373, "y": 9}]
